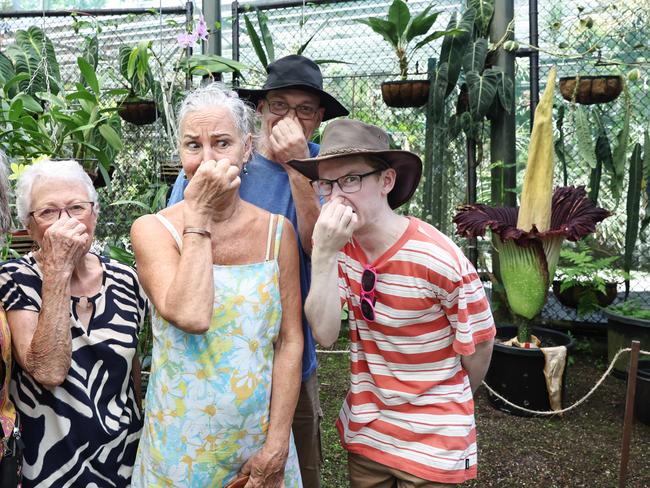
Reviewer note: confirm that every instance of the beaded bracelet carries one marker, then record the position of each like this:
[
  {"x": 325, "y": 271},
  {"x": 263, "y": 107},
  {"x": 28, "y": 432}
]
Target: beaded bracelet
[{"x": 197, "y": 230}]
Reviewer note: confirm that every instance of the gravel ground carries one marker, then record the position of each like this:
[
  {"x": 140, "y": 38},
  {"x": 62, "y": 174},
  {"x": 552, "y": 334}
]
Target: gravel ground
[{"x": 581, "y": 449}]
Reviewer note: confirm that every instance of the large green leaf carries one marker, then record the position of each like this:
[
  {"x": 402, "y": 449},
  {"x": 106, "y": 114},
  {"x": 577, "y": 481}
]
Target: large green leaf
[
  {"x": 420, "y": 24},
  {"x": 439, "y": 83},
  {"x": 91, "y": 51},
  {"x": 584, "y": 139},
  {"x": 484, "y": 10},
  {"x": 384, "y": 28},
  {"x": 7, "y": 72},
  {"x": 399, "y": 16},
  {"x": 15, "y": 110},
  {"x": 29, "y": 103},
  {"x": 646, "y": 179},
  {"x": 454, "y": 44},
  {"x": 632, "y": 208},
  {"x": 620, "y": 152},
  {"x": 88, "y": 75},
  {"x": 30, "y": 47},
  {"x": 482, "y": 91},
  {"x": 263, "y": 22},
  {"x": 432, "y": 37},
  {"x": 603, "y": 147},
  {"x": 505, "y": 91},
  {"x": 256, "y": 42},
  {"x": 474, "y": 58},
  {"x": 111, "y": 136},
  {"x": 124, "y": 53}
]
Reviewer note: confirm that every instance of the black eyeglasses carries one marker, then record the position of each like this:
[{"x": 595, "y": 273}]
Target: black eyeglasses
[
  {"x": 50, "y": 215},
  {"x": 367, "y": 296},
  {"x": 304, "y": 112},
  {"x": 347, "y": 183}
]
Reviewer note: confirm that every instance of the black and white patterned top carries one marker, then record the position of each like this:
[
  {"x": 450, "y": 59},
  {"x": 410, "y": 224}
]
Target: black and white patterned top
[{"x": 85, "y": 431}]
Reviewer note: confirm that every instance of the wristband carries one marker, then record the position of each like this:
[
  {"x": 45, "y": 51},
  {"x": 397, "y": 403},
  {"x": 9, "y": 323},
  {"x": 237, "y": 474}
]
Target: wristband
[{"x": 197, "y": 230}]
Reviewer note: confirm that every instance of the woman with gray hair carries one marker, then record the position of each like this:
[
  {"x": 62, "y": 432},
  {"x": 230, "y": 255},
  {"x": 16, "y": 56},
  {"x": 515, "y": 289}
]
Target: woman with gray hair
[
  {"x": 74, "y": 318},
  {"x": 222, "y": 276}
]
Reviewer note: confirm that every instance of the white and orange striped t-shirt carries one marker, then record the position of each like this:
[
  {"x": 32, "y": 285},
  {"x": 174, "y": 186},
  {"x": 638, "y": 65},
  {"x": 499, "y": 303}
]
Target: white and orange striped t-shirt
[{"x": 410, "y": 404}]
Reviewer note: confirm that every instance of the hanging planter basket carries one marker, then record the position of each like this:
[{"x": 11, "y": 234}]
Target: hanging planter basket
[
  {"x": 405, "y": 93},
  {"x": 591, "y": 89},
  {"x": 138, "y": 112}
]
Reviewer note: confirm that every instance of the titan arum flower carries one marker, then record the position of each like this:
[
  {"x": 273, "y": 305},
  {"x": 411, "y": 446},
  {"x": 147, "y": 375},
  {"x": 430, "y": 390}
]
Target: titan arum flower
[{"x": 529, "y": 238}]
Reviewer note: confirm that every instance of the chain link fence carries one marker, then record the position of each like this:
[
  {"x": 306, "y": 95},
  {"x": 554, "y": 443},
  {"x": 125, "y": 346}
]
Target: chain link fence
[
  {"x": 136, "y": 172},
  {"x": 590, "y": 37}
]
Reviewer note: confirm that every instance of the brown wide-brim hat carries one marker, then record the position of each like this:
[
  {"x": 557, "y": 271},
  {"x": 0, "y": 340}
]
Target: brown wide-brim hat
[
  {"x": 346, "y": 137},
  {"x": 299, "y": 73}
]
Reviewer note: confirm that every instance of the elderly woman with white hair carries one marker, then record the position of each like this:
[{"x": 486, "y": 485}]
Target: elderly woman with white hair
[
  {"x": 223, "y": 278},
  {"x": 74, "y": 318}
]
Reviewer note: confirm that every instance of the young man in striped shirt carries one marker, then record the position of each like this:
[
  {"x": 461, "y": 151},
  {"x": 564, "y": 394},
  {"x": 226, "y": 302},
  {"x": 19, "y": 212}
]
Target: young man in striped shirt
[{"x": 420, "y": 325}]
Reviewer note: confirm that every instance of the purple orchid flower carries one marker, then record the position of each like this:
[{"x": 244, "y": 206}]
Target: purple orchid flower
[
  {"x": 187, "y": 39},
  {"x": 202, "y": 29}
]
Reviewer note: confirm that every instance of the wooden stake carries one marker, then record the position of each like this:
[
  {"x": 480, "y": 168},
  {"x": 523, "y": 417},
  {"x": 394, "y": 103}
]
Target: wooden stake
[{"x": 628, "y": 420}]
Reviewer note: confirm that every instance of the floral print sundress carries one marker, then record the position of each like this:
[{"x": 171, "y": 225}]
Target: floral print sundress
[{"x": 208, "y": 398}]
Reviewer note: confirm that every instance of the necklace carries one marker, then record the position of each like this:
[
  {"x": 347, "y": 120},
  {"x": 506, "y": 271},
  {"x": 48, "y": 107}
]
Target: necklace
[{"x": 84, "y": 303}]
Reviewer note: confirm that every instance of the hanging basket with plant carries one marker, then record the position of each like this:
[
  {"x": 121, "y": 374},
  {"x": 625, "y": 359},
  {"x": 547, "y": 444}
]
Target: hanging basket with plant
[
  {"x": 589, "y": 90},
  {"x": 399, "y": 29}
]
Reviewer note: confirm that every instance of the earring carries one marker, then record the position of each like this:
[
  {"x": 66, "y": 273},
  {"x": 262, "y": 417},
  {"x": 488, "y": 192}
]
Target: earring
[{"x": 244, "y": 169}]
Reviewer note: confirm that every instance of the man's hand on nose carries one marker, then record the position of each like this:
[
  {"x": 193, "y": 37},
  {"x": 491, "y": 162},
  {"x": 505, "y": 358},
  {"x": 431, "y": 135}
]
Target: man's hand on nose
[{"x": 288, "y": 140}]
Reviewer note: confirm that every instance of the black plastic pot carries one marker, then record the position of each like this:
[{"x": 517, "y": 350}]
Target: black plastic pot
[
  {"x": 642, "y": 398},
  {"x": 621, "y": 331},
  {"x": 517, "y": 374}
]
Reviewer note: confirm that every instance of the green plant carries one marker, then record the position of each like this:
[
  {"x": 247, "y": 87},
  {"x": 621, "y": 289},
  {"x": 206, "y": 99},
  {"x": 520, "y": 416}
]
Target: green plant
[
  {"x": 579, "y": 267},
  {"x": 263, "y": 43},
  {"x": 81, "y": 123},
  {"x": 400, "y": 28},
  {"x": 528, "y": 239},
  {"x": 134, "y": 67},
  {"x": 631, "y": 308},
  {"x": 152, "y": 201},
  {"x": 466, "y": 51}
]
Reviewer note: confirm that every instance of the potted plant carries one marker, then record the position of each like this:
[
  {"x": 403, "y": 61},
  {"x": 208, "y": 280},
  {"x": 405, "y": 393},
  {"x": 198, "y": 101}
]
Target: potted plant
[
  {"x": 589, "y": 90},
  {"x": 528, "y": 240},
  {"x": 592, "y": 89},
  {"x": 626, "y": 321},
  {"x": 81, "y": 124},
  {"x": 399, "y": 29},
  {"x": 585, "y": 282},
  {"x": 139, "y": 106}
]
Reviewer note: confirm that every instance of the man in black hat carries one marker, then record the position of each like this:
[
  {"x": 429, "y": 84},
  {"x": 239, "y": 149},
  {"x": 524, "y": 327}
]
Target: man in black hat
[
  {"x": 421, "y": 329},
  {"x": 292, "y": 104}
]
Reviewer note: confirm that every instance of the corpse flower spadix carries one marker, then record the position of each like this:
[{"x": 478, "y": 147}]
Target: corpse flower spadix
[{"x": 529, "y": 238}]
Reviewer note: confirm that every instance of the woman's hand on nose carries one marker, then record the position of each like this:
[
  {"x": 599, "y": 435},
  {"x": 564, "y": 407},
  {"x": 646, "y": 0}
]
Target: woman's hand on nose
[
  {"x": 64, "y": 244},
  {"x": 211, "y": 185}
]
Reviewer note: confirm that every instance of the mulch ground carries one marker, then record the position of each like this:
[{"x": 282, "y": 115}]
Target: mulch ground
[{"x": 580, "y": 449}]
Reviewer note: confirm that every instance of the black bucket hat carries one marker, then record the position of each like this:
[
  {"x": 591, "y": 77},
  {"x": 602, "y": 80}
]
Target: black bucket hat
[
  {"x": 346, "y": 137},
  {"x": 299, "y": 72}
]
